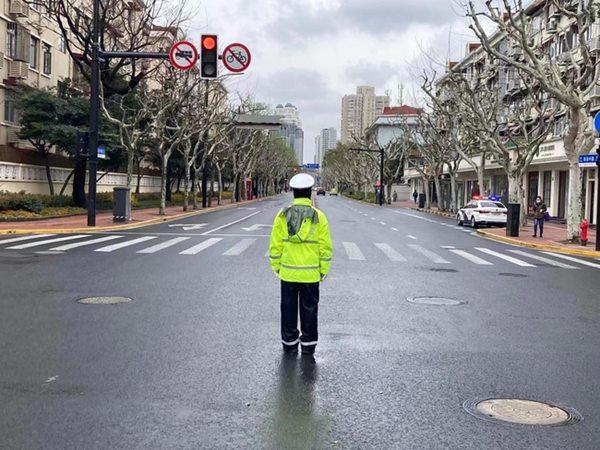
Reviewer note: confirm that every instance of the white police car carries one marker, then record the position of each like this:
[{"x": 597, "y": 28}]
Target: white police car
[{"x": 482, "y": 212}]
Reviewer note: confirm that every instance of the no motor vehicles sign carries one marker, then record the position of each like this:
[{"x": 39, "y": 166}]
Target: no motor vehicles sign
[{"x": 183, "y": 55}]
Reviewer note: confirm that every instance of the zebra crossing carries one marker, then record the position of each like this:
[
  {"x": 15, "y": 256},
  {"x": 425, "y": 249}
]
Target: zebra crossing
[{"x": 352, "y": 252}]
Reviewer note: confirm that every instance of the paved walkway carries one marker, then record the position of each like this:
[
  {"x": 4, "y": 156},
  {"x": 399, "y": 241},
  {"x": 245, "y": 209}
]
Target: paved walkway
[{"x": 104, "y": 219}]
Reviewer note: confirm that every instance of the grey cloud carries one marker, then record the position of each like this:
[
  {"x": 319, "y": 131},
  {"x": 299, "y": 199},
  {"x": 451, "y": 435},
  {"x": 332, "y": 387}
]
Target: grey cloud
[{"x": 376, "y": 17}]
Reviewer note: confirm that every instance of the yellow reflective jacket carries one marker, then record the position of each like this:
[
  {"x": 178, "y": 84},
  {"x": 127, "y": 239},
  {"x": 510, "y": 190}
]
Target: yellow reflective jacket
[{"x": 306, "y": 256}]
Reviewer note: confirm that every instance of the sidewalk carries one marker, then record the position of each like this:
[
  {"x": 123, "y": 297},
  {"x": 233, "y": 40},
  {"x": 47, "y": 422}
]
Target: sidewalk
[{"x": 104, "y": 220}]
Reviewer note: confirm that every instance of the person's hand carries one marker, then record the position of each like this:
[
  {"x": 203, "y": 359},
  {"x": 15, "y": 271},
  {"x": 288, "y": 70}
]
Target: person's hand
[{"x": 323, "y": 276}]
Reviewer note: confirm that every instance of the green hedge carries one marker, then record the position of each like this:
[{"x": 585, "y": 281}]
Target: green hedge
[{"x": 370, "y": 198}]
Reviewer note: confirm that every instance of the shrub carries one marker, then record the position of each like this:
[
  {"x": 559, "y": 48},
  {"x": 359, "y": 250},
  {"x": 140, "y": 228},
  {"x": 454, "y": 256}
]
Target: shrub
[{"x": 18, "y": 202}]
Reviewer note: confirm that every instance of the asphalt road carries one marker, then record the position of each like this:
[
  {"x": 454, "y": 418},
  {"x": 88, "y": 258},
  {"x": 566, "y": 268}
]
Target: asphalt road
[{"x": 194, "y": 361}]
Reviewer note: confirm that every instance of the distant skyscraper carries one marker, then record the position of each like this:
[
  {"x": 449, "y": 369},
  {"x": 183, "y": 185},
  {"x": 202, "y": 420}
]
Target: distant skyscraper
[
  {"x": 325, "y": 141},
  {"x": 360, "y": 110},
  {"x": 291, "y": 129}
]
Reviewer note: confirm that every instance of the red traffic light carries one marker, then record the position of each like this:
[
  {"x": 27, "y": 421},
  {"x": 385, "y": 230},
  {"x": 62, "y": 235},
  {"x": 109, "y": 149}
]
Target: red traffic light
[{"x": 209, "y": 42}]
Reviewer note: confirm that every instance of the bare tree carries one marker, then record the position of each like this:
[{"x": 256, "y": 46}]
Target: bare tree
[{"x": 564, "y": 68}]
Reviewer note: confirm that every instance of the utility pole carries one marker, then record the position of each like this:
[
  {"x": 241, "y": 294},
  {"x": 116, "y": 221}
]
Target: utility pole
[
  {"x": 381, "y": 152},
  {"x": 99, "y": 56}
]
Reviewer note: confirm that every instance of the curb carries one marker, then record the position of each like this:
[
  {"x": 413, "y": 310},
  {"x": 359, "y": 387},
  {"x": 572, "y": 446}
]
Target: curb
[
  {"x": 546, "y": 247},
  {"x": 436, "y": 213},
  {"x": 129, "y": 226}
]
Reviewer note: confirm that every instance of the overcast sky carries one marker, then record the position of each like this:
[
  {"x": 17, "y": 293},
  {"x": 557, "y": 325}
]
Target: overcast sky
[{"x": 312, "y": 52}]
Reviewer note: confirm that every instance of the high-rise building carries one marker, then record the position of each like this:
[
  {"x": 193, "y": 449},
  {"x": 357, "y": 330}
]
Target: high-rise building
[
  {"x": 291, "y": 129},
  {"x": 325, "y": 141},
  {"x": 360, "y": 110}
]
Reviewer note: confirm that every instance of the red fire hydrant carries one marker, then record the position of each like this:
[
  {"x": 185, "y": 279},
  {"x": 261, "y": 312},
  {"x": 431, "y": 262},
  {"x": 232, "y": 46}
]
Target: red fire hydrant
[{"x": 584, "y": 232}]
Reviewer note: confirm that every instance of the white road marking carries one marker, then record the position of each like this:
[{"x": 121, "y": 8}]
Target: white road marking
[
  {"x": 435, "y": 258},
  {"x": 51, "y": 379},
  {"x": 510, "y": 259},
  {"x": 395, "y": 229},
  {"x": 257, "y": 226},
  {"x": 458, "y": 228},
  {"x": 410, "y": 236},
  {"x": 240, "y": 247},
  {"x": 25, "y": 238},
  {"x": 48, "y": 241},
  {"x": 382, "y": 223},
  {"x": 112, "y": 248},
  {"x": 575, "y": 260},
  {"x": 544, "y": 260},
  {"x": 163, "y": 245},
  {"x": 353, "y": 251},
  {"x": 373, "y": 218},
  {"x": 448, "y": 247},
  {"x": 202, "y": 246},
  {"x": 64, "y": 248},
  {"x": 231, "y": 223},
  {"x": 474, "y": 259},
  {"x": 188, "y": 226},
  {"x": 392, "y": 254}
]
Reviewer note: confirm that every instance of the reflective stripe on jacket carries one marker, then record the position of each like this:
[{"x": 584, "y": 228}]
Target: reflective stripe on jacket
[{"x": 306, "y": 256}]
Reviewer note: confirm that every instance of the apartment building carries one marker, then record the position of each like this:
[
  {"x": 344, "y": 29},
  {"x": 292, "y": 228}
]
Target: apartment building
[
  {"x": 548, "y": 174},
  {"x": 359, "y": 111},
  {"x": 326, "y": 140}
]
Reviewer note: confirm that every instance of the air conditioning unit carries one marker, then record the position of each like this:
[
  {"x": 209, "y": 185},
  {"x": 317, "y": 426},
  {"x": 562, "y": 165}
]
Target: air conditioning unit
[
  {"x": 1, "y": 60},
  {"x": 12, "y": 135},
  {"x": 594, "y": 45},
  {"x": 19, "y": 8},
  {"x": 595, "y": 94},
  {"x": 18, "y": 70},
  {"x": 552, "y": 26}
]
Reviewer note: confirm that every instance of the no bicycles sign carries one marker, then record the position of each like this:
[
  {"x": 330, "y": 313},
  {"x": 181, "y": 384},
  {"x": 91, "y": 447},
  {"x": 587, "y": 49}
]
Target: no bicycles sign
[{"x": 236, "y": 57}]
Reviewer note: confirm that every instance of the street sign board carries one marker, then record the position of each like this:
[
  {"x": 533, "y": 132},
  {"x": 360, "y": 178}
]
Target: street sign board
[
  {"x": 101, "y": 153},
  {"x": 597, "y": 122},
  {"x": 236, "y": 57},
  {"x": 311, "y": 166},
  {"x": 183, "y": 55},
  {"x": 589, "y": 160}
]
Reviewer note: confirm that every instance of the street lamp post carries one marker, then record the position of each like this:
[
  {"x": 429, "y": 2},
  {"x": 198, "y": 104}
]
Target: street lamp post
[
  {"x": 381, "y": 152},
  {"x": 98, "y": 56}
]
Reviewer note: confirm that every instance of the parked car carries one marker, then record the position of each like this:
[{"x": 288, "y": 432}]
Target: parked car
[
  {"x": 320, "y": 191},
  {"x": 482, "y": 212},
  {"x": 333, "y": 192}
]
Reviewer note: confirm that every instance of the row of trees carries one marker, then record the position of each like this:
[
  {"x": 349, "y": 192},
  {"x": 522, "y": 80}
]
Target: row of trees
[
  {"x": 153, "y": 116},
  {"x": 470, "y": 116}
]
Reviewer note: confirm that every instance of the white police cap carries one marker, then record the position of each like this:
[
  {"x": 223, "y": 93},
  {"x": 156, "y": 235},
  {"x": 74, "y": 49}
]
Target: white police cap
[{"x": 302, "y": 181}]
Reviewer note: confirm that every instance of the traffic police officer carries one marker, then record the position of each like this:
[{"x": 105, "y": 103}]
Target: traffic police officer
[{"x": 300, "y": 253}]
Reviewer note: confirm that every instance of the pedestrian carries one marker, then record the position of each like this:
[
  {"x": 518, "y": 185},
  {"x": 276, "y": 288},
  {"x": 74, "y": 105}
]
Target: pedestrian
[
  {"x": 539, "y": 213},
  {"x": 394, "y": 196},
  {"x": 300, "y": 253},
  {"x": 415, "y": 195}
]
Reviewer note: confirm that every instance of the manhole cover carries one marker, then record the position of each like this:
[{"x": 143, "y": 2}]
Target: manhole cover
[
  {"x": 103, "y": 300},
  {"x": 524, "y": 412},
  {"x": 435, "y": 301},
  {"x": 514, "y": 275}
]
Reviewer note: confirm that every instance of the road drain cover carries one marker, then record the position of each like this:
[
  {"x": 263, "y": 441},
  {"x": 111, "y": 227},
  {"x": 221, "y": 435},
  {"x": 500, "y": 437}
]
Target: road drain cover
[
  {"x": 435, "y": 301},
  {"x": 524, "y": 412},
  {"x": 103, "y": 300}
]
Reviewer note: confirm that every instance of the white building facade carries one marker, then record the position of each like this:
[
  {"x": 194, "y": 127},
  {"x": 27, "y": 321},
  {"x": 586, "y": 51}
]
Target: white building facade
[
  {"x": 291, "y": 130},
  {"x": 325, "y": 141}
]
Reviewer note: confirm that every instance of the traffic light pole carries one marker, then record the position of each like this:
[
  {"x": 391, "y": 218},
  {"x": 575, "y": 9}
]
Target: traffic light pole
[
  {"x": 381, "y": 152},
  {"x": 98, "y": 56},
  {"x": 205, "y": 146},
  {"x": 598, "y": 202}
]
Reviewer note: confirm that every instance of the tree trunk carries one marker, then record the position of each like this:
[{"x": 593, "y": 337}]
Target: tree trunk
[
  {"x": 453, "y": 193},
  {"x": 48, "y": 174},
  {"x": 130, "y": 156},
  {"x": 163, "y": 186},
  {"x": 438, "y": 190},
  {"x": 516, "y": 193},
  {"x": 427, "y": 193},
  {"x": 480, "y": 179},
  {"x": 186, "y": 187},
  {"x": 139, "y": 175},
  {"x": 211, "y": 189},
  {"x": 575, "y": 203},
  {"x": 389, "y": 193},
  {"x": 79, "y": 197},
  {"x": 220, "y": 181}
]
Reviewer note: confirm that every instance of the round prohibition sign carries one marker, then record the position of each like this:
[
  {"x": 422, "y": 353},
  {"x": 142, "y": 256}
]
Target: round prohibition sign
[
  {"x": 183, "y": 55},
  {"x": 236, "y": 57}
]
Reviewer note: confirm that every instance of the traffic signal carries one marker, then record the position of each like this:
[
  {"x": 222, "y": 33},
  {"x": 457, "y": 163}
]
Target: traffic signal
[{"x": 209, "y": 56}]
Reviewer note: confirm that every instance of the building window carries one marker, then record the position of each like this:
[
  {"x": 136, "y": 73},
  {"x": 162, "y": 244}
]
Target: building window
[
  {"x": 10, "y": 109},
  {"x": 11, "y": 39},
  {"x": 62, "y": 44},
  {"x": 33, "y": 52},
  {"x": 47, "y": 59}
]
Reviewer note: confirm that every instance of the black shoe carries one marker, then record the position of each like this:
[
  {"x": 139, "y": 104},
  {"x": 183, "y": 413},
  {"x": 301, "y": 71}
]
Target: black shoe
[
  {"x": 535, "y": 235},
  {"x": 308, "y": 349},
  {"x": 290, "y": 348}
]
